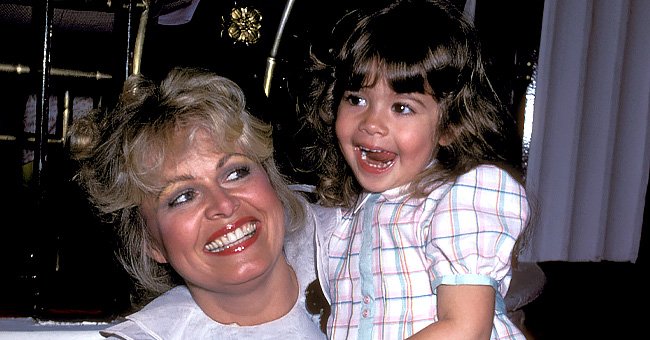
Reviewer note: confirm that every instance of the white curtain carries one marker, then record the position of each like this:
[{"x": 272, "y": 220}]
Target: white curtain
[{"x": 588, "y": 164}]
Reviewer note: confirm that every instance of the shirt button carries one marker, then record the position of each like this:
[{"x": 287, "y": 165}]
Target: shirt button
[
  {"x": 364, "y": 313},
  {"x": 366, "y": 299}
]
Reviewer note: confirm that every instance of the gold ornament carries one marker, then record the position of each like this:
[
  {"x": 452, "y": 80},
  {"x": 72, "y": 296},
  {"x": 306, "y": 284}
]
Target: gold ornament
[{"x": 243, "y": 25}]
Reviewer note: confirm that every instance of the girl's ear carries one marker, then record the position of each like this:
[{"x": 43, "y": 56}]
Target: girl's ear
[
  {"x": 447, "y": 134},
  {"x": 446, "y": 138},
  {"x": 156, "y": 254}
]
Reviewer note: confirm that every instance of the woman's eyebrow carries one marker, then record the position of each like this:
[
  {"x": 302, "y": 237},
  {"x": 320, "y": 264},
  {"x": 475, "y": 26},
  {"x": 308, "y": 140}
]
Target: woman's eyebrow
[
  {"x": 185, "y": 177},
  {"x": 170, "y": 182},
  {"x": 223, "y": 160},
  {"x": 228, "y": 156}
]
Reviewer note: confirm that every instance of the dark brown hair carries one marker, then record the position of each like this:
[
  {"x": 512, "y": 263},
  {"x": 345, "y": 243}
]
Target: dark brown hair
[{"x": 423, "y": 46}]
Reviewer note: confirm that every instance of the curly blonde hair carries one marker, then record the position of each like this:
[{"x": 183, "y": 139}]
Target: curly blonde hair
[{"x": 116, "y": 149}]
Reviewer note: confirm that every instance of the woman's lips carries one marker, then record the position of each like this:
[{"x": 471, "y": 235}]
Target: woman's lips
[{"x": 234, "y": 238}]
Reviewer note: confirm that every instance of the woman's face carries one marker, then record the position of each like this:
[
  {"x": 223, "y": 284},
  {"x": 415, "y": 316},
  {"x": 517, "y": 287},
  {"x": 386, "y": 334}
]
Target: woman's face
[{"x": 217, "y": 220}]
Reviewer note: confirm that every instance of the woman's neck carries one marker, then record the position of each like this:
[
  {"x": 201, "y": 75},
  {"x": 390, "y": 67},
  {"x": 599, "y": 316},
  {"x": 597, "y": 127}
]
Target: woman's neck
[{"x": 264, "y": 299}]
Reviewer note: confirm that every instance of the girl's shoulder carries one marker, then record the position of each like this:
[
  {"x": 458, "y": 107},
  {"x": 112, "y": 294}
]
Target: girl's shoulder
[
  {"x": 489, "y": 176},
  {"x": 481, "y": 180}
]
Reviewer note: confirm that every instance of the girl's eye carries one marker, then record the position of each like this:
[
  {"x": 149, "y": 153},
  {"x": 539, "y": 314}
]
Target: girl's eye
[
  {"x": 355, "y": 100},
  {"x": 402, "y": 109},
  {"x": 182, "y": 198},
  {"x": 238, "y": 173}
]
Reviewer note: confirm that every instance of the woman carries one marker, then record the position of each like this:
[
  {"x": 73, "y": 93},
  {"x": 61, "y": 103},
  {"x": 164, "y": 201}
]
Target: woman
[{"x": 205, "y": 218}]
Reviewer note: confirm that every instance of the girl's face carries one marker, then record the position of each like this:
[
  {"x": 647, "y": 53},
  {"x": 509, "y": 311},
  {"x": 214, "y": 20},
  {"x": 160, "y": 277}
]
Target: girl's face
[
  {"x": 387, "y": 138},
  {"x": 217, "y": 220}
]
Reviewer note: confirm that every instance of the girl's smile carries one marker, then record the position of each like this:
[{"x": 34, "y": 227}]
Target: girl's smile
[{"x": 375, "y": 160}]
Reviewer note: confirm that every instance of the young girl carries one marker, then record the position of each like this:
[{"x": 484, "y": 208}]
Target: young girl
[{"x": 418, "y": 151}]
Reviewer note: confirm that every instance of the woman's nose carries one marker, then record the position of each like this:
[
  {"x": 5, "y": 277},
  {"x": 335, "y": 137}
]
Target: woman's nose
[
  {"x": 373, "y": 123},
  {"x": 221, "y": 203}
]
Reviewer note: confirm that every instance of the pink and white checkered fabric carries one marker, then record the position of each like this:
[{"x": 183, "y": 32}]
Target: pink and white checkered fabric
[{"x": 384, "y": 260}]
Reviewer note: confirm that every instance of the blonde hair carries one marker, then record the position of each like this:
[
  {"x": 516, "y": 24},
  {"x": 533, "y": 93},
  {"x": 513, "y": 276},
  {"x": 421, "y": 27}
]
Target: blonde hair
[{"x": 123, "y": 150}]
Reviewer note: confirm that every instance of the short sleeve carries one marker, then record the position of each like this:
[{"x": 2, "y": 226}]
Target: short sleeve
[{"x": 474, "y": 228}]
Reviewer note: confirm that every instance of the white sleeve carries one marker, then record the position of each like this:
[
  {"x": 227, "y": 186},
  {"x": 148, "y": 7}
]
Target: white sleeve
[{"x": 326, "y": 221}]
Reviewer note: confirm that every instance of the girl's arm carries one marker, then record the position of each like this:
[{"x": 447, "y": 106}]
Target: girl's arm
[
  {"x": 464, "y": 312},
  {"x": 472, "y": 234}
]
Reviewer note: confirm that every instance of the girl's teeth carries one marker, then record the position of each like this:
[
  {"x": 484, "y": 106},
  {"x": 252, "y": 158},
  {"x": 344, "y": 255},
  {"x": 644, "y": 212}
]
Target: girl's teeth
[{"x": 378, "y": 160}]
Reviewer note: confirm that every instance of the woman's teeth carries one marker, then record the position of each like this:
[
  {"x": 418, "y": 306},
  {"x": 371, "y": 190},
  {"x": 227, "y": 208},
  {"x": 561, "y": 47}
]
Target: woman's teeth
[{"x": 232, "y": 238}]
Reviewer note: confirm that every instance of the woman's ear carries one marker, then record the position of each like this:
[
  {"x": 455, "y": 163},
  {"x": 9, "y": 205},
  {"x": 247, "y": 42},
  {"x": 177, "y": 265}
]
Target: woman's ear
[{"x": 156, "y": 254}]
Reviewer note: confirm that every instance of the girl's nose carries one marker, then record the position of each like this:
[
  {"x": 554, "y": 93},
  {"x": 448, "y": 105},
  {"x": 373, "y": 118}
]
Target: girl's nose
[
  {"x": 221, "y": 203},
  {"x": 373, "y": 123}
]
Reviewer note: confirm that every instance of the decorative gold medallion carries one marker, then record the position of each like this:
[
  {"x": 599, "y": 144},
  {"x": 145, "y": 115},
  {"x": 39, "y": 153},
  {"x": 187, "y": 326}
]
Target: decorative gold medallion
[{"x": 243, "y": 25}]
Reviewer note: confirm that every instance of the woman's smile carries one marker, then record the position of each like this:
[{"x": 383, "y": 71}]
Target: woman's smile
[{"x": 234, "y": 238}]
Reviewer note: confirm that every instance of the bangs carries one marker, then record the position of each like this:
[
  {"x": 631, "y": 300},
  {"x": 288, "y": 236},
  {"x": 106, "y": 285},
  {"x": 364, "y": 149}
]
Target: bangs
[
  {"x": 430, "y": 72},
  {"x": 389, "y": 47},
  {"x": 148, "y": 153},
  {"x": 433, "y": 74},
  {"x": 400, "y": 77}
]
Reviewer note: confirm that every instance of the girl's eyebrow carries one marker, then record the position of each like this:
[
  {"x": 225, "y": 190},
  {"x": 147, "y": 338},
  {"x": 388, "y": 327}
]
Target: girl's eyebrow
[{"x": 411, "y": 96}]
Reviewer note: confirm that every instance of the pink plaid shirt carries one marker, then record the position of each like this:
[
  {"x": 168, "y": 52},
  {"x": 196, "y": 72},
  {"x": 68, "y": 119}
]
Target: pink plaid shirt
[{"x": 382, "y": 262}]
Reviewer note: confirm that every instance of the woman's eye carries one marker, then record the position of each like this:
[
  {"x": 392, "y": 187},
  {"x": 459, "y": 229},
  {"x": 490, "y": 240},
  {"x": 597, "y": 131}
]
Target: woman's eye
[
  {"x": 184, "y": 197},
  {"x": 402, "y": 109},
  {"x": 355, "y": 100},
  {"x": 238, "y": 173}
]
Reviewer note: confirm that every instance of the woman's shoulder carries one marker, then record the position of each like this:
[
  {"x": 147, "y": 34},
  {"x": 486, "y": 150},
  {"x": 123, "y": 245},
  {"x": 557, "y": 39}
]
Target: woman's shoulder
[
  {"x": 177, "y": 296},
  {"x": 323, "y": 214},
  {"x": 325, "y": 218},
  {"x": 318, "y": 218},
  {"x": 160, "y": 316}
]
